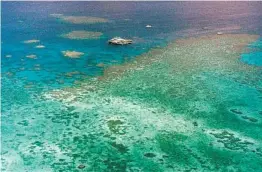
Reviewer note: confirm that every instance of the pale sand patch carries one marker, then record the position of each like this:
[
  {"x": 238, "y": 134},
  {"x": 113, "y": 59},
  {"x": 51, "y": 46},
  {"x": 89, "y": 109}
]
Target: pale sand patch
[
  {"x": 31, "y": 56},
  {"x": 37, "y": 68},
  {"x": 83, "y": 19},
  {"x": 82, "y": 35},
  {"x": 72, "y": 54},
  {"x": 56, "y": 15},
  {"x": 100, "y": 65},
  {"x": 70, "y": 74},
  {"x": 80, "y": 19},
  {"x": 8, "y": 56},
  {"x": 40, "y": 46},
  {"x": 9, "y": 74},
  {"x": 31, "y": 41}
]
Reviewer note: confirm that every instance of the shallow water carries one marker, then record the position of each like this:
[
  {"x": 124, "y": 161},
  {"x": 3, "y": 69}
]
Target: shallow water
[
  {"x": 254, "y": 57},
  {"x": 194, "y": 105}
]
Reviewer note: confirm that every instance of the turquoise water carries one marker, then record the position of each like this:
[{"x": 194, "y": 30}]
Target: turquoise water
[
  {"x": 254, "y": 57},
  {"x": 42, "y": 134}
]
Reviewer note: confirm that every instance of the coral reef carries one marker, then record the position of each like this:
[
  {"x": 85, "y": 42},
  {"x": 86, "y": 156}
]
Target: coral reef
[{"x": 82, "y": 35}]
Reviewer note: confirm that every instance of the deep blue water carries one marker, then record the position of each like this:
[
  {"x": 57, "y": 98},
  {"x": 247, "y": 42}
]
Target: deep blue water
[{"x": 31, "y": 20}]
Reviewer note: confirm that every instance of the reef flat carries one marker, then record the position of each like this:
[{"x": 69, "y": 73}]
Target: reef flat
[
  {"x": 82, "y": 35},
  {"x": 72, "y": 54},
  {"x": 80, "y": 19},
  {"x": 190, "y": 106}
]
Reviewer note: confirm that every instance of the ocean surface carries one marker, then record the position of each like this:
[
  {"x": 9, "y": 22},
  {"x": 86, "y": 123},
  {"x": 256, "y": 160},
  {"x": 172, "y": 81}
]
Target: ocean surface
[
  {"x": 32, "y": 127},
  {"x": 32, "y": 20}
]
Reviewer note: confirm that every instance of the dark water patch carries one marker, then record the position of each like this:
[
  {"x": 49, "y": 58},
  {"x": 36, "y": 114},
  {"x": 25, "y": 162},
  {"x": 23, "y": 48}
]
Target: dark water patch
[
  {"x": 24, "y": 123},
  {"x": 38, "y": 143},
  {"x": 195, "y": 124},
  {"x": 172, "y": 145},
  {"x": 81, "y": 166},
  {"x": 150, "y": 155},
  {"x": 236, "y": 111},
  {"x": 116, "y": 126},
  {"x": 232, "y": 142},
  {"x": 116, "y": 165},
  {"x": 251, "y": 119},
  {"x": 120, "y": 147}
]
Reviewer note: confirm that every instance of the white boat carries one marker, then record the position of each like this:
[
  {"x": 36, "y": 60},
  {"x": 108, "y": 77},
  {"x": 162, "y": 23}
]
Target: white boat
[
  {"x": 120, "y": 41},
  {"x": 148, "y": 26}
]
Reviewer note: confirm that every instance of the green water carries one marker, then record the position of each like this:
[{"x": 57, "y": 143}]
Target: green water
[{"x": 191, "y": 106}]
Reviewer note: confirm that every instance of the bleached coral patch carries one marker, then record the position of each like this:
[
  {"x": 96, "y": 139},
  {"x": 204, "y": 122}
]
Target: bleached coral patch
[
  {"x": 31, "y": 56},
  {"x": 72, "y": 54},
  {"x": 147, "y": 116},
  {"x": 40, "y": 46},
  {"x": 31, "y": 41},
  {"x": 56, "y": 15},
  {"x": 232, "y": 140}
]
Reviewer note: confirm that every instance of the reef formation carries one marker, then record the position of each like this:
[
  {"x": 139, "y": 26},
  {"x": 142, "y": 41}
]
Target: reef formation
[
  {"x": 80, "y": 19},
  {"x": 82, "y": 35},
  {"x": 190, "y": 106}
]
